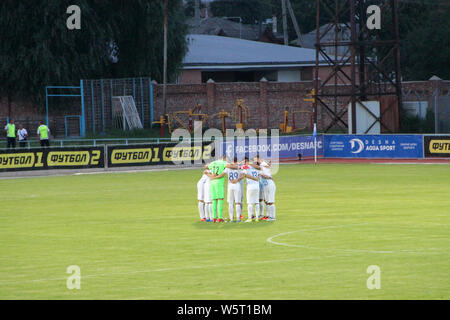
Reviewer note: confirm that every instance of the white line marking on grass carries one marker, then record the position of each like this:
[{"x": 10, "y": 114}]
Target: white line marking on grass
[
  {"x": 417, "y": 163},
  {"x": 122, "y": 171},
  {"x": 270, "y": 240},
  {"x": 177, "y": 268}
]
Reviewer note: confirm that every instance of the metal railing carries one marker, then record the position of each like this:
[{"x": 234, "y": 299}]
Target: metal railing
[
  {"x": 32, "y": 143},
  {"x": 35, "y": 143}
]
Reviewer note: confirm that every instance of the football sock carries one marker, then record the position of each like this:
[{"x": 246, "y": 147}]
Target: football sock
[
  {"x": 201, "y": 209},
  {"x": 231, "y": 211},
  {"x": 261, "y": 208},
  {"x": 214, "y": 209},
  {"x": 238, "y": 212},
  {"x": 220, "y": 208},
  {"x": 257, "y": 210},
  {"x": 208, "y": 211},
  {"x": 271, "y": 211},
  {"x": 250, "y": 211}
]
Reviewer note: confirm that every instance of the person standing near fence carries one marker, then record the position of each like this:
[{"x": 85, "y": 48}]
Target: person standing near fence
[
  {"x": 44, "y": 133},
  {"x": 10, "y": 134},
  {"x": 22, "y": 133}
]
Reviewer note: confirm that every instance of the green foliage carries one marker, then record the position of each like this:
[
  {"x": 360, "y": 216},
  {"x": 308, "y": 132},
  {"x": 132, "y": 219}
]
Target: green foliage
[
  {"x": 305, "y": 12},
  {"x": 138, "y": 31},
  {"x": 415, "y": 124},
  {"x": 251, "y": 11},
  {"x": 427, "y": 47},
  {"x": 38, "y": 50},
  {"x": 189, "y": 7}
]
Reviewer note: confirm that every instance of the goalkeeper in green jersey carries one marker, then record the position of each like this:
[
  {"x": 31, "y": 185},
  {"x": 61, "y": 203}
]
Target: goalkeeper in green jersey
[{"x": 217, "y": 186}]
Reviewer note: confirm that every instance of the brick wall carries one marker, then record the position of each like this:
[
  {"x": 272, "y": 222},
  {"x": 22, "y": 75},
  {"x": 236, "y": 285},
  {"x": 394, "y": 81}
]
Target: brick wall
[
  {"x": 29, "y": 114},
  {"x": 265, "y": 100}
]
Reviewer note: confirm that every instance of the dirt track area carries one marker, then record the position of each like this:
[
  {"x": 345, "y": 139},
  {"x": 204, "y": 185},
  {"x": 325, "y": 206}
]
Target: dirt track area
[{"x": 65, "y": 172}]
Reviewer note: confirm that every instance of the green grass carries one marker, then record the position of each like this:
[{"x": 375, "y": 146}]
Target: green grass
[{"x": 137, "y": 236}]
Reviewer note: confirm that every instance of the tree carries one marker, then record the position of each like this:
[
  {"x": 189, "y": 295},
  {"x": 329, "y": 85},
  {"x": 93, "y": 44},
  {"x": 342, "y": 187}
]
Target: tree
[
  {"x": 138, "y": 32},
  {"x": 424, "y": 40},
  {"x": 189, "y": 7},
  {"x": 427, "y": 48},
  {"x": 304, "y": 11},
  {"x": 251, "y": 11},
  {"x": 37, "y": 49}
]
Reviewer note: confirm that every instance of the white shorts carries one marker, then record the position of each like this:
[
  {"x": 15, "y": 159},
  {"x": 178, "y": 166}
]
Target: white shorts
[
  {"x": 234, "y": 195},
  {"x": 200, "y": 191},
  {"x": 253, "y": 195},
  {"x": 207, "y": 192},
  {"x": 269, "y": 192}
]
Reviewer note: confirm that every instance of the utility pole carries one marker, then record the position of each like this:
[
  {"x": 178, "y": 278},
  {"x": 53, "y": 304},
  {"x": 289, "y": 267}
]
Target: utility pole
[
  {"x": 285, "y": 34},
  {"x": 294, "y": 22},
  {"x": 165, "y": 59},
  {"x": 197, "y": 10}
]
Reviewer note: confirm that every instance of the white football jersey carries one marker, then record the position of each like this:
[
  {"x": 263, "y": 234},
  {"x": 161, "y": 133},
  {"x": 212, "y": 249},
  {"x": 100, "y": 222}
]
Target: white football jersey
[
  {"x": 233, "y": 174},
  {"x": 254, "y": 173},
  {"x": 265, "y": 171},
  {"x": 203, "y": 179}
]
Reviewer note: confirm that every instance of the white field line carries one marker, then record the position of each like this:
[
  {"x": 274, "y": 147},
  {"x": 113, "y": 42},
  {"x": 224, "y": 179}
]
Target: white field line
[
  {"x": 270, "y": 240},
  {"x": 416, "y": 163},
  {"x": 108, "y": 171},
  {"x": 174, "y": 269},
  {"x": 125, "y": 171}
]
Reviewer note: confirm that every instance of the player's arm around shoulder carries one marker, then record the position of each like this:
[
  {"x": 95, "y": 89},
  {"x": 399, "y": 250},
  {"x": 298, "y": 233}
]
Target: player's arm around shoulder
[
  {"x": 214, "y": 177},
  {"x": 232, "y": 166},
  {"x": 241, "y": 176},
  {"x": 251, "y": 177}
]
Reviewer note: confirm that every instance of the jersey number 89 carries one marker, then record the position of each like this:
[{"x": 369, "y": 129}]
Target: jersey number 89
[{"x": 233, "y": 175}]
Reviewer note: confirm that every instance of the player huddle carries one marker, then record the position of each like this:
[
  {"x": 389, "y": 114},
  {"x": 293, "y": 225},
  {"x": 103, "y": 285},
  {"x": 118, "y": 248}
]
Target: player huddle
[{"x": 260, "y": 190}]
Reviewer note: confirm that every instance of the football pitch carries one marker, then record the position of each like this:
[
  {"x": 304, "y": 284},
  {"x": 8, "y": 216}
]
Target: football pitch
[{"x": 138, "y": 236}]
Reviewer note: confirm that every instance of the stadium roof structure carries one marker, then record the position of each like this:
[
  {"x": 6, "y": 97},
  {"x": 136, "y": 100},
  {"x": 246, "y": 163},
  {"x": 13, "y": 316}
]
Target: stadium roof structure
[{"x": 216, "y": 52}]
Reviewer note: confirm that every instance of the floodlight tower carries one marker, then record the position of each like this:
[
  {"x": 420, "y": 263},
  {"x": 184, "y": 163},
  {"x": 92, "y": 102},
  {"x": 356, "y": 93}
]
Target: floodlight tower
[{"x": 365, "y": 65}]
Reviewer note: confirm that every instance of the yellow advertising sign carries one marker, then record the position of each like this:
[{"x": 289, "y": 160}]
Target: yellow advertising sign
[
  {"x": 68, "y": 158},
  {"x": 440, "y": 146},
  {"x": 143, "y": 155},
  {"x": 17, "y": 160},
  {"x": 178, "y": 154}
]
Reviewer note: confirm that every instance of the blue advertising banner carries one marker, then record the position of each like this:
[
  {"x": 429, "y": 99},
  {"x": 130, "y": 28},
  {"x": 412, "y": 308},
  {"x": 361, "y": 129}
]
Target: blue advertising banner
[
  {"x": 373, "y": 146},
  {"x": 283, "y": 147}
]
